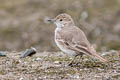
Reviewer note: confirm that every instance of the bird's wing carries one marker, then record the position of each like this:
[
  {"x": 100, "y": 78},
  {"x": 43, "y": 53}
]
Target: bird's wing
[
  {"x": 80, "y": 41},
  {"x": 74, "y": 47},
  {"x": 80, "y": 38}
]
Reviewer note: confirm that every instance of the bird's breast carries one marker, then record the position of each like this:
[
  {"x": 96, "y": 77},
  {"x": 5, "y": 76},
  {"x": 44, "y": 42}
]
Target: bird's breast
[{"x": 62, "y": 46}]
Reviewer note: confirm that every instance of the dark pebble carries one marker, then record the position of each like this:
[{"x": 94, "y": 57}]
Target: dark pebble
[
  {"x": 3, "y": 53},
  {"x": 28, "y": 52}
]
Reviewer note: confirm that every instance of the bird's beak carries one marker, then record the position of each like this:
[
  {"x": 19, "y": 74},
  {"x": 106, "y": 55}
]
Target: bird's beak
[{"x": 51, "y": 20}]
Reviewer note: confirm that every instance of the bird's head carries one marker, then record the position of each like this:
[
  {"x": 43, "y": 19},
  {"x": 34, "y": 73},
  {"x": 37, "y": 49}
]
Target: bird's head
[{"x": 62, "y": 20}]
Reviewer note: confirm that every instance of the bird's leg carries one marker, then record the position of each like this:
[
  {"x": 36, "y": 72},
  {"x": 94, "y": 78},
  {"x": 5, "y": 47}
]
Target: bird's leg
[
  {"x": 80, "y": 58},
  {"x": 72, "y": 61}
]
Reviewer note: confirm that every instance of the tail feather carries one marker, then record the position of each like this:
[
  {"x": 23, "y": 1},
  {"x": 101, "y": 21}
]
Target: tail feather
[
  {"x": 94, "y": 53},
  {"x": 90, "y": 52},
  {"x": 100, "y": 58}
]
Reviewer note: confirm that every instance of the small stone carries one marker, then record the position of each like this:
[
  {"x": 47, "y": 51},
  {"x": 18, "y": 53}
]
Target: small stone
[
  {"x": 114, "y": 71},
  {"x": 33, "y": 65},
  {"x": 100, "y": 69},
  {"x": 38, "y": 59},
  {"x": 69, "y": 75},
  {"x": 57, "y": 65},
  {"x": 85, "y": 69},
  {"x": 28, "y": 52},
  {"x": 81, "y": 69},
  {"x": 56, "y": 62},
  {"x": 21, "y": 78},
  {"x": 25, "y": 62},
  {"x": 40, "y": 77},
  {"x": 96, "y": 76},
  {"x": 20, "y": 61},
  {"x": 3, "y": 53},
  {"x": 45, "y": 77},
  {"x": 77, "y": 76}
]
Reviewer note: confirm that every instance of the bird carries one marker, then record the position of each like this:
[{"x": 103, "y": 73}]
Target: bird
[{"x": 71, "y": 40}]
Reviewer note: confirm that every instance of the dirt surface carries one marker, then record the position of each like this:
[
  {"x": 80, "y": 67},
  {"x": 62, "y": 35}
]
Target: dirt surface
[{"x": 54, "y": 66}]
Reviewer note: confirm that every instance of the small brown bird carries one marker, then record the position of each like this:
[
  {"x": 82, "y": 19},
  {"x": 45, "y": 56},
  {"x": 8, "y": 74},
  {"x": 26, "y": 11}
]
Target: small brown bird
[{"x": 71, "y": 39}]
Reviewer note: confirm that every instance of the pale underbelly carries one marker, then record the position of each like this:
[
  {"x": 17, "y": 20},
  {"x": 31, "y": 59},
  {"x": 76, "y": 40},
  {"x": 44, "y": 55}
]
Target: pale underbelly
[{"x": 70, "y": 53}]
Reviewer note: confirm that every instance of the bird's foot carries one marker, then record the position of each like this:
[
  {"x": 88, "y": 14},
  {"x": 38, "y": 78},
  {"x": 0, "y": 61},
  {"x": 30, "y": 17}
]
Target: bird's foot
[{"x": 72, "y": 64}]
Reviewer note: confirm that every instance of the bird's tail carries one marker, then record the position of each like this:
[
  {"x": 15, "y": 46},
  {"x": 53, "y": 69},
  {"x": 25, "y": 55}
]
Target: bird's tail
[
  {"x": 91, "y": 52},
  {"x": 94, "y": 53},
  {"x": 100, "y": 58}
]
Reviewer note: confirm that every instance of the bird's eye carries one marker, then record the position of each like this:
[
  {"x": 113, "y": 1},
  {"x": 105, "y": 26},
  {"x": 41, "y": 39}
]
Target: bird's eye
[{"x": 61, "y": 19}]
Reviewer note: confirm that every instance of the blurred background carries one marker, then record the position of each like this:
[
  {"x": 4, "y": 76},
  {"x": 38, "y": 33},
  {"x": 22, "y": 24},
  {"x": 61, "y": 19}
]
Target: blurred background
[{"x": 22, "y": 23}]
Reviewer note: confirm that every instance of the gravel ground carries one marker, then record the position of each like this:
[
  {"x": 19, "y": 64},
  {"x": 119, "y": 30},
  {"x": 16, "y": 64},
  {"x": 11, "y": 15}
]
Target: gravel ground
[{"x": 54, "y": 66}]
